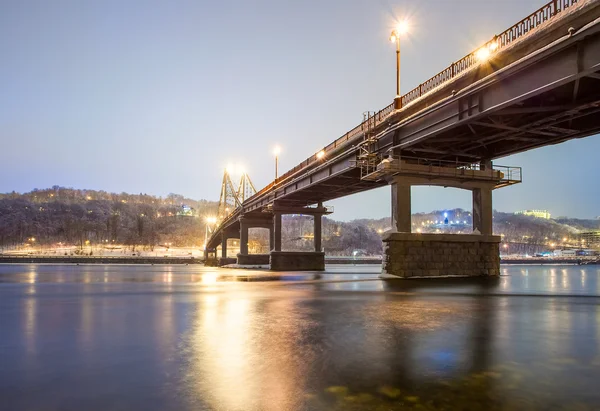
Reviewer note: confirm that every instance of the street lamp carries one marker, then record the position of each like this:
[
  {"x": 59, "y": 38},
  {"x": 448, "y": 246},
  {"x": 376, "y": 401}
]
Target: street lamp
[
  {"x": 276, "y": 152},
  {"x": 209, "y": 220},
  {"x": 401, "y": 29}
]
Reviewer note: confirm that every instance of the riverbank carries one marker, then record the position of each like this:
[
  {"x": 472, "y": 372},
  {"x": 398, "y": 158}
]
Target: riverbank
[
  {"x": 46, "y": 259},
  {"x": 12, "y": 259}
]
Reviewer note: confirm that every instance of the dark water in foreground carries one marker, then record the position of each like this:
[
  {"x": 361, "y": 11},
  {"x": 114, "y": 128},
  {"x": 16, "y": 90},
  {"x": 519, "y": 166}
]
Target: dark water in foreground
[{"x": 193, "y": 338}]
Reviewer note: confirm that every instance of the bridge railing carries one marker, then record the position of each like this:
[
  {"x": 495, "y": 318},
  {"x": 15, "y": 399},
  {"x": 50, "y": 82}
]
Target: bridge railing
[{"x": 499, "y": 41}]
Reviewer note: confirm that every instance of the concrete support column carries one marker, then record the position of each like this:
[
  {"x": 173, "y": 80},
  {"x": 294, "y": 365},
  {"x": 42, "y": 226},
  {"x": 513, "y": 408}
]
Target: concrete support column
[
  {"x": 482, "y": 210},
  {"x": 317, "y": 234},
  {"x": 271, "y": 238},
  {"x": 277, "y": 231},
  {"x": 401, "y": 207},
  {"x": 243, "y": 238},
  {"x": 223, "y": 246}
]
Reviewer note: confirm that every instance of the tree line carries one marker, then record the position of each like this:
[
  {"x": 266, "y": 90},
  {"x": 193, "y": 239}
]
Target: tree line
[{"x": 80, "y": 217}]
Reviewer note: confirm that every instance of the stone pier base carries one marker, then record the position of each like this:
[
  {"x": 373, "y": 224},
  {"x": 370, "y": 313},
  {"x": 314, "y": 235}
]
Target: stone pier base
[
  {"x": 211, "y": 262},
  {"x": 409, "y": 255},
  {"x": 253, "y": 259},
  {"x": 226, "y": 261},
  {"x": 297, "y": 261}
]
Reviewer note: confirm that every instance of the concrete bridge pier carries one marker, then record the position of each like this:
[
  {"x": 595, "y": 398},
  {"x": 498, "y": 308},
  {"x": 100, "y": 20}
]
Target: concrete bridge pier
[
  {"x": 259, "y": 220},
  {"x": 298, "y": 260},
  {"x": 210, "y": 257},
  {"x": 409, "y": 255},
  {"x": 224, "y": 260}
]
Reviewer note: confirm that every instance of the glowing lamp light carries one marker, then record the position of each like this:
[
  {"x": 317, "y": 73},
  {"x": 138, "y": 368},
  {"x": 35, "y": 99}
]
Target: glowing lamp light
[
  {"x": 402, "y": 27},
  {"x": 321, "y": 154},
  {"x": 483, "y": 54},
  {"x": 277, "y": 150}
]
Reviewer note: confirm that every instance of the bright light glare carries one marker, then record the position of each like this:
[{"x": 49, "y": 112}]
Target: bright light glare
[
  {"x": 321, "y": 154},
  {"x": 277, "y": 150},
  {"x": 402, "y": 27},
  {"x": 483, "y": 54},
  {"x": 211, "y": 219},
  {"x": 493, "y": 46},
  {"x": 209, "y": 278}
]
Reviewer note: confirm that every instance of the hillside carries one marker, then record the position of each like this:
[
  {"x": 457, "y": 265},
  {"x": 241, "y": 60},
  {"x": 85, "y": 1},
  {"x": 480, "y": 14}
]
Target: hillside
[
  {"x": 81, "y": 217},
  {"x": 89, "y": 217}
]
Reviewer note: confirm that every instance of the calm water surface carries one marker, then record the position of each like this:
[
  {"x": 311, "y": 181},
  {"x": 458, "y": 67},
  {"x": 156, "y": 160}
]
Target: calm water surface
[{"x": 195, "y": 338}]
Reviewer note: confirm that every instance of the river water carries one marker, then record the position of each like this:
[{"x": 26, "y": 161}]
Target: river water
[{"x": 110, "y": 337}]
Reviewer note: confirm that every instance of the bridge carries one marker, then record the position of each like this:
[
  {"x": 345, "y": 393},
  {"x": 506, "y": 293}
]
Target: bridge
[{"x": 535, "y": 84}]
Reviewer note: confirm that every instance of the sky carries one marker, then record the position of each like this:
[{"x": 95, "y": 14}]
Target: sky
[{"x": 159, "y": 97}]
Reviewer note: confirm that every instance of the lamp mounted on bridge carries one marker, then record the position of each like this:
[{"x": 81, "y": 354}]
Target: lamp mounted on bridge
[
  {"x": 276, "y": 152},
  {"x": 401, "y": 28},
  {"x": 210, "y": 226},
  {"x": 484, "y": 53}
]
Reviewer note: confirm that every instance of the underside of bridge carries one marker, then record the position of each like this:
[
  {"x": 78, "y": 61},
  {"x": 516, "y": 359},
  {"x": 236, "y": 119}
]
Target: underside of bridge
[{"x": 539, "y": 86}]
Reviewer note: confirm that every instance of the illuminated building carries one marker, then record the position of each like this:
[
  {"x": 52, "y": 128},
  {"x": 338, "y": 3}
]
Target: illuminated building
[
  {"x": 535, "y": 213},
  {"x": 590, "y": 238}
]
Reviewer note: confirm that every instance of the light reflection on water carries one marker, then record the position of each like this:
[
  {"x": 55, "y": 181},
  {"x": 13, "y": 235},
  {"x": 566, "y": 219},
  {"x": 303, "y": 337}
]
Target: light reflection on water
[{"x": 122, "y": 337}]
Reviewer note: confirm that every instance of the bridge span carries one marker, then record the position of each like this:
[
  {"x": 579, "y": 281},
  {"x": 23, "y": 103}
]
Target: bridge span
[{"x": 535, "y": 84}]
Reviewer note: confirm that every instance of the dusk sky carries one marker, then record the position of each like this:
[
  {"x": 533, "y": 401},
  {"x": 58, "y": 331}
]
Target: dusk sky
[{"x": 159, "y": 96}]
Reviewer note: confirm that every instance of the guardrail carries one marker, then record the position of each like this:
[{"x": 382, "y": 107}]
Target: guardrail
[
  {"x": 499, "y": 41},
  {"x": 504, "y": 174}
]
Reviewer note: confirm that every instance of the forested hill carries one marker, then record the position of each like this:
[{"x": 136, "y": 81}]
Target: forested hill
[
  {"x": 78, "y": 217},
  {"x": 75, "y": 216}
]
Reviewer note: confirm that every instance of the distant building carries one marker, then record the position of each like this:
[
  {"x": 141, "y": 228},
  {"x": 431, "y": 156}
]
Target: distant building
[
  {"x": 565, "y": 253},
  {"x": 590, "y": 238},
  {"x": 535, "y": 213},
  {"x": 186, "y": 211}
]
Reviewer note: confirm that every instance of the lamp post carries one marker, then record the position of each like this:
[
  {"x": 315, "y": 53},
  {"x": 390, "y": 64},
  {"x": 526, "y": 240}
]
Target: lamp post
[
  {"x": 276, "y": 151},
  {"x": 402, "y": 28},
  {"x": 209, "y": 221}
]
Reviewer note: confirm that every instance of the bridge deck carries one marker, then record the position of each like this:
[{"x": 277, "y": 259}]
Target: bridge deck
[{"x": 540, "y": 86}]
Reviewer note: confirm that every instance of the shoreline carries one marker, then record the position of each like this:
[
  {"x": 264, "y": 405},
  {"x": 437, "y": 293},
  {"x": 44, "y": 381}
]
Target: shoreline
[
  {"x": 5, "y": 259},
  {"x": 8, "y": 259}
]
